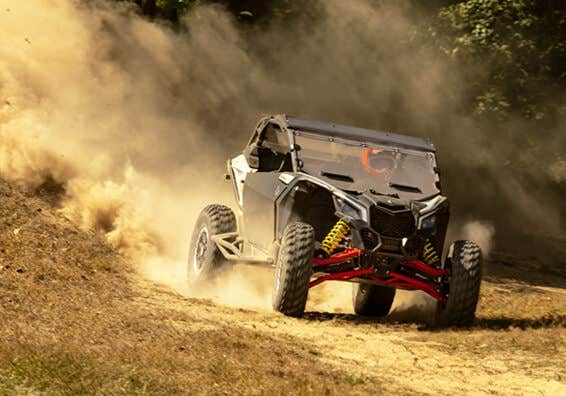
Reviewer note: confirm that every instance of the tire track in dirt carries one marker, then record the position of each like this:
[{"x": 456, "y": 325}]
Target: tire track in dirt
[{"x": 408, "y": 357}]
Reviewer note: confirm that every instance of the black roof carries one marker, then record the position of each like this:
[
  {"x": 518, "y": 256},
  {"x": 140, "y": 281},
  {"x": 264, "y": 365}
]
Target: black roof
[{"x": 361, "y": 134}]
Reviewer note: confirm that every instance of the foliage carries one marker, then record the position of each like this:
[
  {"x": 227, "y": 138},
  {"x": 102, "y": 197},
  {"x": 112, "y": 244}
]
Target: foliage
[
  {"x": 520, "y": 45},
  {"x": 245, "y": 10},
  {"x": 168, "y": 9}
]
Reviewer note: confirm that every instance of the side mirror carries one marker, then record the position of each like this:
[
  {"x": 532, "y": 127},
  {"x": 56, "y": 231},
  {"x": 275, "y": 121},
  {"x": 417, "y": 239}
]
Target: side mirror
[{"x": 252, "y": 156}]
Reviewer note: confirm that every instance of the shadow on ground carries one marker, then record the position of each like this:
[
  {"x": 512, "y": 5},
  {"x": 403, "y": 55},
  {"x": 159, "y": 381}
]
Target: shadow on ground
[{"x": 495, "y": 323}]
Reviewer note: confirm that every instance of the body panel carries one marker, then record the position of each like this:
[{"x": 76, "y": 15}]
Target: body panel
[{"x": 259, "y": 203}]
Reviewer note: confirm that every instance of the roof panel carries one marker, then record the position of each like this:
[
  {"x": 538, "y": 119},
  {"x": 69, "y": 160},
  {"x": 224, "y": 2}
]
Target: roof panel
[{"x": 361, "y": 134}]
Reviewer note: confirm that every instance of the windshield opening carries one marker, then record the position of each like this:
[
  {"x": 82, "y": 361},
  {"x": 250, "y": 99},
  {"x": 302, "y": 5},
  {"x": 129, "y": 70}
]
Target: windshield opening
[{"x": 357, "y": 166}]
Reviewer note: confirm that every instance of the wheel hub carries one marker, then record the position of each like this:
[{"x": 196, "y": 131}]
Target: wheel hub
[{"x": 200, "y": 250}]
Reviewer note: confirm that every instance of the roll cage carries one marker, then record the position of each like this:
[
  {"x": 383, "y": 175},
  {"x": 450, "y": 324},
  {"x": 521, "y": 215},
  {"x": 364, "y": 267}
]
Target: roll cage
[
  {"x": 270, "y": 184},
  {"x": 277, "y": 134}
]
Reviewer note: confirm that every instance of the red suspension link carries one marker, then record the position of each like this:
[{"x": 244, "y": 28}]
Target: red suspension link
[
  {"x": 395, "y": 279},
  {"x": 406, "y": 282},
  {"x": 426, "y": 269},
  {"x": 343, "y": 276},
  {"x": 347, "y": 254}
]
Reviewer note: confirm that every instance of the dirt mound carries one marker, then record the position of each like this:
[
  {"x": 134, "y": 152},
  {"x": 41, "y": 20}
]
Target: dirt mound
[{"x": 77, "y": 319}]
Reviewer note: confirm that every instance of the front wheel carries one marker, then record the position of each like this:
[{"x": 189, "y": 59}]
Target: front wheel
[
  {"x": 293, "y": 269},
  {"x": 465, "y": 262},
  {"x": 204, "y": 257}
]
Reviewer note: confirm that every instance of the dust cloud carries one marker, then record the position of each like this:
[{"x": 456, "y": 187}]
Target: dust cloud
[
  {"x": 331, "y": 297},
  {"x": 481, "y": 233},
  {"x": 134, "y": 119},
  {"x": 96, "y": 99}
]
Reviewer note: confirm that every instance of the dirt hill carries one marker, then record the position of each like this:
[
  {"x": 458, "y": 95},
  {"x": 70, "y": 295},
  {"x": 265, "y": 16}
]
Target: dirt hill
[{"x": 76, "y": 318}]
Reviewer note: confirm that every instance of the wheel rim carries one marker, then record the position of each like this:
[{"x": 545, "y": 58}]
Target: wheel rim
[{"x": 200, "y": 250}]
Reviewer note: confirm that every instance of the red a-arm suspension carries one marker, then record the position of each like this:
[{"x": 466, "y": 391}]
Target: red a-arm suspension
[{"x": 394, "y": 279}]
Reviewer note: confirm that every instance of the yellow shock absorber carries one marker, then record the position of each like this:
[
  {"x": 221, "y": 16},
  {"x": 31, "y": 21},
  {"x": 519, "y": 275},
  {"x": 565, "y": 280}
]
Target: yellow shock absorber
[
  {"x": 429, "y": 254},
  {"x": 334, "y": 237}
]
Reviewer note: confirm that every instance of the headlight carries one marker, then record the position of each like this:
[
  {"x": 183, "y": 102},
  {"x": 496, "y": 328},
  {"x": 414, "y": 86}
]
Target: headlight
[
  {"x": 428, "y": 223},
  {"x": 349, "y": 209},
  {"x": 427, "y": 213},
  {"x": 346, "y": 208}
]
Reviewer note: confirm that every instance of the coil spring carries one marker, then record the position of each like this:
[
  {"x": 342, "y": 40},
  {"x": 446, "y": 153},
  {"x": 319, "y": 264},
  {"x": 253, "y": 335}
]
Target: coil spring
[
  {"x": 334, "y": 237},
  {"x": 429, "y": 254}
]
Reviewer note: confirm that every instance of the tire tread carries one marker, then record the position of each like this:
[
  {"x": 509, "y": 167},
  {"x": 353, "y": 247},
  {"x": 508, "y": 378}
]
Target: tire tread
[
  {"x": 295, "y": 257},
  {"x": 465, "y": 285},
  {"x": 219, "y": 219}
]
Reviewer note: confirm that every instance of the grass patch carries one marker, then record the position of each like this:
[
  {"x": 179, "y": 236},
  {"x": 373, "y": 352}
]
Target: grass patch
[{"x": 53, "y": 370}]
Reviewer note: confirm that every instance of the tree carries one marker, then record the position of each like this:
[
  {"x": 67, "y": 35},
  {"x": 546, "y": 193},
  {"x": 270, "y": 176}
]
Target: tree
[{"x": 522, "y": 46}]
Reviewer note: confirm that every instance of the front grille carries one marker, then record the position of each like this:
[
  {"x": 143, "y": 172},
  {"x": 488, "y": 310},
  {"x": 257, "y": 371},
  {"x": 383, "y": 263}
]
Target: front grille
[
  {"x": 391, "y": 244},
  {"x": 395, "y": 225}
]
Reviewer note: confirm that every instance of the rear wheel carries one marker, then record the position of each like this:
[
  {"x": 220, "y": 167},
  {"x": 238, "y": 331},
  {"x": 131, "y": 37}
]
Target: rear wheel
[
  {"x": 204, "y": 257},
  {"x": 372, "y": 300},
  {"x": 293, "y": 270},
  {"x": 465, "y": 262}
]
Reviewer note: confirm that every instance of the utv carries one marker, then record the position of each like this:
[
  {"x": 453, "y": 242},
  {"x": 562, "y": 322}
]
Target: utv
[{"x": 321, "y": 202}]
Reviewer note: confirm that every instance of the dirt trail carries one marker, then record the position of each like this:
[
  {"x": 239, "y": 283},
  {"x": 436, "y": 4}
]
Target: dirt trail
[
  {"x": 76, "y": 318},
  {"x": 498, "y": 356}
]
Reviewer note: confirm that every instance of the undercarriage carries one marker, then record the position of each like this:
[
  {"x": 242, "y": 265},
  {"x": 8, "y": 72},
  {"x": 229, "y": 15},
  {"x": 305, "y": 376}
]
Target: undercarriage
[
  {"x": 410, "y": 275},
  {"x": 355, "y": 265}
]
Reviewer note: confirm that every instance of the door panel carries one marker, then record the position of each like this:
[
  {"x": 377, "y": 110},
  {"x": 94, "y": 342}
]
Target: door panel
[{"x": 260, "y": 191}]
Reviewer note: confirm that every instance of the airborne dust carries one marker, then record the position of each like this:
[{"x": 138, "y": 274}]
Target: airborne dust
[{"x": 130, "y": 122}]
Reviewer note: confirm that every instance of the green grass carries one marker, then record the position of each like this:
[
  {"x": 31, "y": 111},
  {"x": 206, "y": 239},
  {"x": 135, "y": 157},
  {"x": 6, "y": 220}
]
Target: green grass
[{"x": 26, "y": 369}]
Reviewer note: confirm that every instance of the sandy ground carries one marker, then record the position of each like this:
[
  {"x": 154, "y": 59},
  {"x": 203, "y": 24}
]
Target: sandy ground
[
  {"x": 77, "y": 319},
  {"x": 517, "y": 354}
]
